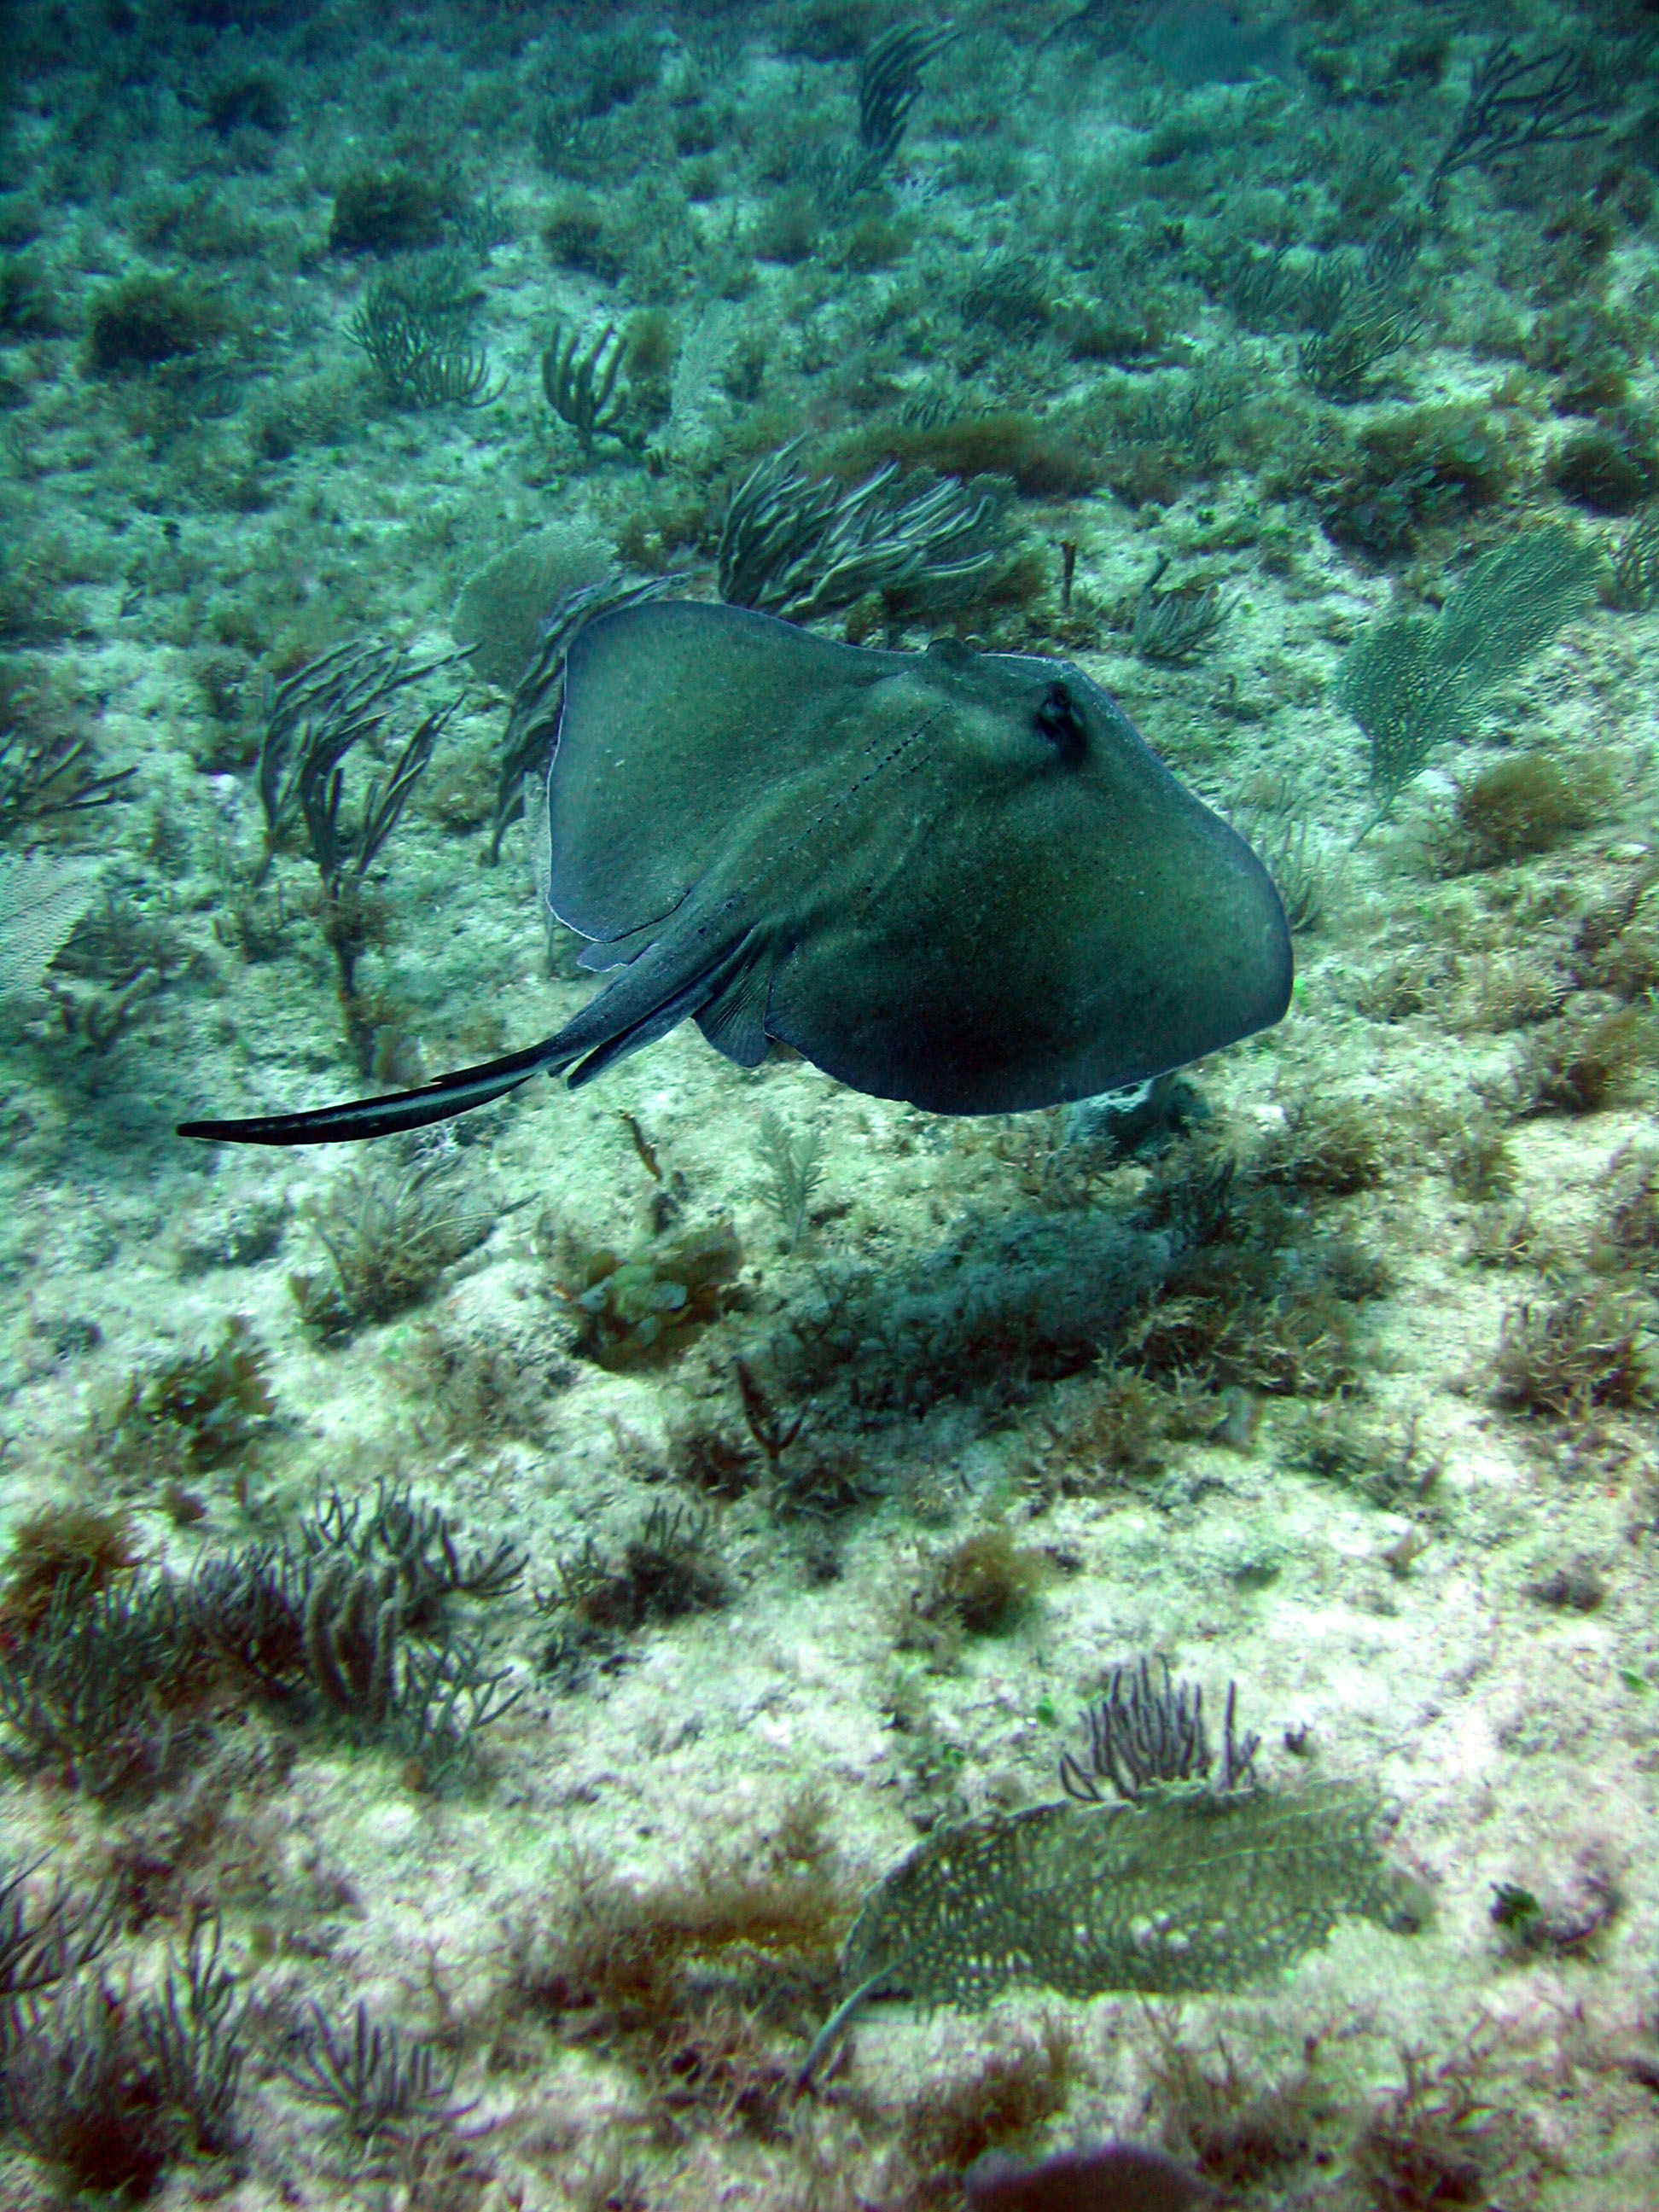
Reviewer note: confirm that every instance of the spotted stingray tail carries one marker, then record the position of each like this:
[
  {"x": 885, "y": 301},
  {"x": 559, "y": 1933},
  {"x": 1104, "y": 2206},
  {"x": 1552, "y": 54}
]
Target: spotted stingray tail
[{"x": 359, "y": 1118}]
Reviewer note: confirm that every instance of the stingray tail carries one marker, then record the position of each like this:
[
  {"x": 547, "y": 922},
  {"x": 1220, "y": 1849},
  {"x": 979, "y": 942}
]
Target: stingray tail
[
  {"x": 647, "y": 999},
  {"x": 360, "y": 1118}
]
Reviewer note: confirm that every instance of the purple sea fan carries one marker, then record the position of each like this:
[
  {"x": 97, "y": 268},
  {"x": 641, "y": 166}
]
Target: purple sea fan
[{"x": 42, "y": 896}]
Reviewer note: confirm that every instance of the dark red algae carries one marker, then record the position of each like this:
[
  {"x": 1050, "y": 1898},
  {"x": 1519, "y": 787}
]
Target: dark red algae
[{"x": 1111, "y": 2177}]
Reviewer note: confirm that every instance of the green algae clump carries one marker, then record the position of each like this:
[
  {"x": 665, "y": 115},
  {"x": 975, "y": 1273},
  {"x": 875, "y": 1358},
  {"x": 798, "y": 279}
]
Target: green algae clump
[
  {"x": 386, "y": 211},
  {"x": 642, "y": 1310},
  {"x": 148, "y": 321}
]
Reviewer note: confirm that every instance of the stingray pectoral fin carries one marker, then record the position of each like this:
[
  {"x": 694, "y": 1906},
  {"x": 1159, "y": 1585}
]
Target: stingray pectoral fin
[{"x": 359, "y": 1118}]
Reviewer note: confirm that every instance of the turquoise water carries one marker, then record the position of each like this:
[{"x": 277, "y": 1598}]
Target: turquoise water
[{"x": 506, "y": 1627}]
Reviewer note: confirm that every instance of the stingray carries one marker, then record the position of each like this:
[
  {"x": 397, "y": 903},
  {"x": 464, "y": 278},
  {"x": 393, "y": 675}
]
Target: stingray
[{"x": 954, "y": 878}]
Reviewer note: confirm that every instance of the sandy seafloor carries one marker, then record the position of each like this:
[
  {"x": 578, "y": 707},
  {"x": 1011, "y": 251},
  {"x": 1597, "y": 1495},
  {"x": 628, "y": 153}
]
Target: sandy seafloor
[{"x": 161, "y": 560}]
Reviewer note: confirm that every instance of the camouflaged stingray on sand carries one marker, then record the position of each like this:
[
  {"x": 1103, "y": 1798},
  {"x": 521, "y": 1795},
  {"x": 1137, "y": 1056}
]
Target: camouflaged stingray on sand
[{"x": 956, "y": 878}]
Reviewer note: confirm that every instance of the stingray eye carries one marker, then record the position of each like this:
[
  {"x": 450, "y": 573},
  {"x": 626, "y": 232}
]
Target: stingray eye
[{"x": 1060, "y": 722}]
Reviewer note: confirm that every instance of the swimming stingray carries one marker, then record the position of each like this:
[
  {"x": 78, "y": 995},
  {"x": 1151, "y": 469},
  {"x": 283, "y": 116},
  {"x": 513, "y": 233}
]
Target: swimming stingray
[{"x": 954, "y": 878}]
